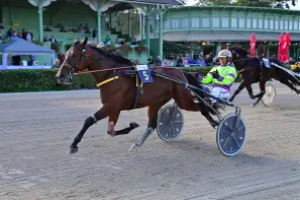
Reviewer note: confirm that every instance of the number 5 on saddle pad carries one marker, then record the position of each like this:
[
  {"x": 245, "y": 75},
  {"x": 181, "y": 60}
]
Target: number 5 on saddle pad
[{"x": 144, "y": 73}]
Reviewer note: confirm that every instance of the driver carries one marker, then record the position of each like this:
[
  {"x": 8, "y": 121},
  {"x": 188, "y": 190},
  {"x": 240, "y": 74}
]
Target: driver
[{"x": 221, "y": 77}]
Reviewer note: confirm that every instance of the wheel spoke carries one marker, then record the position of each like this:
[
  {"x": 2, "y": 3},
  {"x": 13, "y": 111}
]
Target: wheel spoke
[
  {"x": 234, "y": 139},
  {"x": 226, "y": 142},
  {"x": 177, "y": 122}
]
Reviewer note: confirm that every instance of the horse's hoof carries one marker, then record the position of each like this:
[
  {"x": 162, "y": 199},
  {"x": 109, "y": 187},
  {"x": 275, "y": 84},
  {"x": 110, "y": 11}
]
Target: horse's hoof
[
  {"x": 253, "y": 105},
  {"x": 134, "y": 146},
  {"x": 73, "y": 150},
  {"x": 134, "y": 125}
]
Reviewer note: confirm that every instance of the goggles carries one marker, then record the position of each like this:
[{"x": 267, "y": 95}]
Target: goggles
[{"x": 223, "y": 59}]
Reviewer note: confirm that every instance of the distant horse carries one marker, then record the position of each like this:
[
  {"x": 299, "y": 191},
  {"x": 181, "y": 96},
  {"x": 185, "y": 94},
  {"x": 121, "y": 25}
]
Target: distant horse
[
  {"x": 118, "y": 91},
  {"x": 253, "y": 70}
]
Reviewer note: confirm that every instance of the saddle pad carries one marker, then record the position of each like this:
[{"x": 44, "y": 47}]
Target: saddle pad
[
  {"x": 141, "y": 67},
  {"x": 266, "y": 62},
  {"x": 144, "y": 73}
]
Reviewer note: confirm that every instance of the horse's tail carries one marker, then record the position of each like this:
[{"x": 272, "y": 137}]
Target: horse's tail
[
  {"x": 193, "y": 81},
  {"x": 285, "y": 75}
]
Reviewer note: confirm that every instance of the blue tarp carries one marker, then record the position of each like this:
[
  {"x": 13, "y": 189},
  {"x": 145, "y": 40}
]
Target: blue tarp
[{"x": 22, "y": 47}]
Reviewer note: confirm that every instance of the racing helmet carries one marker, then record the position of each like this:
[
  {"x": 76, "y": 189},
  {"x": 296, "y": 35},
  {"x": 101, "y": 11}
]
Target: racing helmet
[{"x": 224, "y": 54}]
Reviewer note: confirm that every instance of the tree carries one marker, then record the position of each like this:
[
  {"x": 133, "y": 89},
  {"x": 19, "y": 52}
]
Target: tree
[{"x": 252, "y": 3}]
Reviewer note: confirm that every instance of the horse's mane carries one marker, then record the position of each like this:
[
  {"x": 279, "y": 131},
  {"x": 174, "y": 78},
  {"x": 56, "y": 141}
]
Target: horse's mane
[
  {"x": 242, "y": 52},
  {"x": 114, "y": 55}
]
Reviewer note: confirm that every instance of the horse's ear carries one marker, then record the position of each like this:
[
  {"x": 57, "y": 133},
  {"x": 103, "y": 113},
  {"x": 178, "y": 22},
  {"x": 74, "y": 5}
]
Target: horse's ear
[{"x": 84, "y": 43}]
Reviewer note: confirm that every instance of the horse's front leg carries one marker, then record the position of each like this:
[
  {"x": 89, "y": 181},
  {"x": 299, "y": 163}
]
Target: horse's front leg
[
  {"x": 259, "y": 96},
  {"x": 237, "y": 91},
  {"x": 99, "y": 115},
  {"x": 250, "y": 91}
]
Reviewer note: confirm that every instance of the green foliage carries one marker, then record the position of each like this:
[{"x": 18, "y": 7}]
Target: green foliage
[
  {"x": 252, "y": 3},
  {"x": 174, "y": 48},
  {"x": 124, "y": 50},
  {"x": 37, "y": 42},
  {"x": 39, "y": 80},
  {"x": 140, "y": 49},
  {"x": 123, "y": 22},
  {"x": 68, "y": 46},
  {"x": 55, "y": 47},
  {"x": 27, "y": 80}
]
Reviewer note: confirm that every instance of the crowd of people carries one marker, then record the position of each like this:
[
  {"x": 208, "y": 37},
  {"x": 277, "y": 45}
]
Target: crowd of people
[{"x": 186, "y": 60}]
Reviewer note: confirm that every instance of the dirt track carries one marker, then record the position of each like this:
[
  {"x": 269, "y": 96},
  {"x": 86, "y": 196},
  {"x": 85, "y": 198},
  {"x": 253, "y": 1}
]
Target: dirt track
[{"x": 37, "y": 129}]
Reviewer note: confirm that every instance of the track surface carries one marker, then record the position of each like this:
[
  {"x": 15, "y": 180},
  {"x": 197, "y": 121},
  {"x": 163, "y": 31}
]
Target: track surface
[{"x": 37, "y": 129}]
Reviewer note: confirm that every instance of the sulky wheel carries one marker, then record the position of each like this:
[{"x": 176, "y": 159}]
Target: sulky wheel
[
  {"x": 169, "y": 123},
  {"x": 270, "y": 95},
  {"x": 231, "y": 142}
]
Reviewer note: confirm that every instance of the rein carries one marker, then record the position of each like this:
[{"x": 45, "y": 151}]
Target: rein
[{"x": 118, "y": 68}]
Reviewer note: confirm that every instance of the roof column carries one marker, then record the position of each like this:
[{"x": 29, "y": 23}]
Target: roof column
[
  {"x": 147, "y": 9},
  {"x": 97, "y": 5},
  {"x": 41, "y": 4},
  {"x": 161, "y": 11}
]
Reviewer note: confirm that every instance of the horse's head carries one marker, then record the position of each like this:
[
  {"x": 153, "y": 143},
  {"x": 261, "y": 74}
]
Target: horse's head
[
  {"x": 238, "y": 53},
  {"x": 76, "y": 61}
]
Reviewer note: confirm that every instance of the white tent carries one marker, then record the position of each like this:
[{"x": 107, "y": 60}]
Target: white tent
[{"x": 22, "y": 47}]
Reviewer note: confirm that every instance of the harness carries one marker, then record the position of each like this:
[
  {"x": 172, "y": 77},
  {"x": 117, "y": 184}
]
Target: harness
[
  {"x": 111, "y": 77},
  {"x": 130, "y": 73}
]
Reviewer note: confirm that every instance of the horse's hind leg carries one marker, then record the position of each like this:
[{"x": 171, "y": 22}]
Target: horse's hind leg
[
  {"x": 240, "y": 88},
  {"x": 152, "y": 123},
  {"x": 113, "y": 118},
  {"x": 262, "y": 85}
]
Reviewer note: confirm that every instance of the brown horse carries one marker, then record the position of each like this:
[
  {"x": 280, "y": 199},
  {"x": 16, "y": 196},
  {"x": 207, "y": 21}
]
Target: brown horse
[
  {"x": 253, "y": 71},
  {"x": 118, "y": 91}
]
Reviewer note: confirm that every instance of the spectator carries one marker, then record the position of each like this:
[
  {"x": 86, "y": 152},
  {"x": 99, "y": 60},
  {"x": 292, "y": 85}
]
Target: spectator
[
  {"x": 87, "y": 31},
  {"x": 95, "y": 33},
  {"x": 291, "y": 61},
  {"x": 46, "y": 39},
  {"x": 14, "y": 36},
  {"x": 20, "y": 34},
  {"x": 80, "y": 27},
  {"x": 62, "y": 29},
  {"x": 86, "y": 27},
  {"x": 158, "y": 61},
  {"x": 56, "y": 64},
  {"x": 10, "y": 33},
  {"x": 150, "y": 61},
  {"x": 108, "y": 42},
  {"x": 1, "y": 36},
  {"x": 1, "y": 25},
  {"x": 201, "y": 61},
  {"x": 215, "y": 62},
  {"x": 61, "y": 57},
  {"x": 164, "y": 63},
  {"x": 29, "y": 36},
  {"x": 107, "y": 38},
  {"x": 123, "y": 42},
  {"x": 48, "y": 29},
  {"x": 77, "y": 41},
  {"x": 191, "y": 60},
  {"x": 133, "y": 42},
  {"x": 59, "y": 25},
  {"x": 52, "y": 39},
  {"x": 117, "y": 41},
  {"x": 179, "y": 61}
]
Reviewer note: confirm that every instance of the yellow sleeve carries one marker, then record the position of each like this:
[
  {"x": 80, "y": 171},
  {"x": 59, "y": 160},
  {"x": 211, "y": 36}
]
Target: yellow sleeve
[{"x": 208, "y": 78}]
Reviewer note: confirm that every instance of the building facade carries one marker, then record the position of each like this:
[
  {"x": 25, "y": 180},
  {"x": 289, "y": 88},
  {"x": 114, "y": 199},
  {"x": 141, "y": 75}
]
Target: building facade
[{"x": 212, "y": 28}]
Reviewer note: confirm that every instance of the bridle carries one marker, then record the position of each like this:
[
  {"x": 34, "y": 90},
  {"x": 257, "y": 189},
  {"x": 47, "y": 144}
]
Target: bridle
[{"x": 75, "y": 69}]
